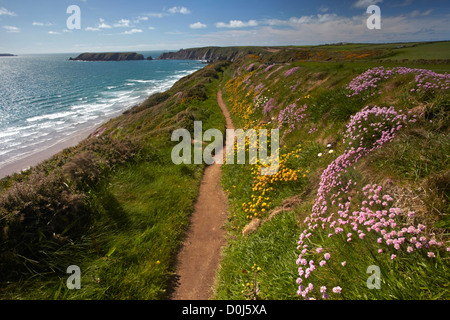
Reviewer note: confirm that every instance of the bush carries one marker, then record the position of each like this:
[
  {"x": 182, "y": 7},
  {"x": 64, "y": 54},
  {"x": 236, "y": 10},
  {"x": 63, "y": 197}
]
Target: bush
[
  {"x": 34, "y": 213},
  {"x": 82, "y": 168},
  {"x": 111, "y": 151},
  {"x": 196, "y": 92},
  {"x": 151, "y": 101}
]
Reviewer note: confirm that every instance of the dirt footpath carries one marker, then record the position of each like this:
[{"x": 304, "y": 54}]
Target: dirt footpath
[{"x": 199, "y": 258}]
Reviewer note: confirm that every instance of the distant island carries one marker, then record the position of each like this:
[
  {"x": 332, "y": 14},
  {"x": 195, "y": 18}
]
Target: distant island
[
  {"x": 7, "y": 55},
  {"x": 109, "y": 56}
]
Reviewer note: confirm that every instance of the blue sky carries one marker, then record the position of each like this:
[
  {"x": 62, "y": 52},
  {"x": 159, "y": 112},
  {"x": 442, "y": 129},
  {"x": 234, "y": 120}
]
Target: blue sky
[{"x": 39, "y": 26}]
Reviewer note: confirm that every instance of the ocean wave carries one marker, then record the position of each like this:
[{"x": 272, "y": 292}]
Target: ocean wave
[
  {"x": 51, "y": 116},
  {"x": 142, "y": 81}
]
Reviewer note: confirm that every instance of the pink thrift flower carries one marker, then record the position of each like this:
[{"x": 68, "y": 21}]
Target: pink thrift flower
[
  {"x": 337, "y": 289},
  {"x": 327, "y": 256}
]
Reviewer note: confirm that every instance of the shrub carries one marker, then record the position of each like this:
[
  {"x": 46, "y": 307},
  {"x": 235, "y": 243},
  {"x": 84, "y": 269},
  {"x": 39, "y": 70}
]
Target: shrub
[
  {"x": 82, "y": 168},
  {"x": 111, "y": 151},
  {"x": 198, "y": 92},
  {"x": 34, "y": 213},
  {"x": 151, "y": 101}
]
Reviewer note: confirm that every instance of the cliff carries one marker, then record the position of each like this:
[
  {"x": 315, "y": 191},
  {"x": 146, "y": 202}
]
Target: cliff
[
  {"x": 109, "y": 56},
  {"x": 212, "y": 54}
]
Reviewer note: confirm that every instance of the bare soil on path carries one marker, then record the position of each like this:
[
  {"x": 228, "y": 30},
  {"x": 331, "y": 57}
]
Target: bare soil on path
[{"x": 199, "y": 257}]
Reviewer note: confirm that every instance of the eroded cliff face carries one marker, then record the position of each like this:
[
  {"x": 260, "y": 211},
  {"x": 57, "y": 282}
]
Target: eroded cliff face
[
  {"x": 109, "y": 56},
  {"x": 210, "y": 54}
]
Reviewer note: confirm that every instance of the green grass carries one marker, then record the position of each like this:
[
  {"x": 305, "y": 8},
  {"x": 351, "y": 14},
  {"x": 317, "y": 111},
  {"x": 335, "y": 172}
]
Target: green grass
[
  {"x": 270, "y": 250},
  {"x": 144, "y": 212},
  {"x": 433, "y": 50}
]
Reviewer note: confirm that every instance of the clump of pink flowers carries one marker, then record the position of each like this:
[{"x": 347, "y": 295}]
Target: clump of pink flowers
[
  {"x": 250, "y": 67},
  {"x": 424, "y": 79},
  {"x": 269, "y": 106},
  {"x": 294, "y": 86},
  {"x": 277, "y": 69},
  {"x": 338, "y": 215},
  {"x": 367, "y": 130},
  {"x": 312, "y": 130},
  {"x": 291, "y": 115},
  {"x": 269, "y": 67},
  {"x": 98, "y": 132},
  {"x": 291, "y": 71},
  {"x": 373, "y": 126}
]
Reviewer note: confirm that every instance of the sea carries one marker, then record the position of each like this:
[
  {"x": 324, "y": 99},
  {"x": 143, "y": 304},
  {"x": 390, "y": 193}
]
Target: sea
[{"x": 45, "y": 98}]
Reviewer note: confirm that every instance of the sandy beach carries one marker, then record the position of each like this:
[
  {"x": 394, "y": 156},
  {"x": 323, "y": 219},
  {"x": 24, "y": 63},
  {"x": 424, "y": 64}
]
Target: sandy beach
[{"x": 37, "y": 157}]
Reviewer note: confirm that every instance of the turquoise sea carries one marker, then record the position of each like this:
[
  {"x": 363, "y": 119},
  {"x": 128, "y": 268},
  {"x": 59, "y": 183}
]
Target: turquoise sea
[{"x": 47, "y": 98}]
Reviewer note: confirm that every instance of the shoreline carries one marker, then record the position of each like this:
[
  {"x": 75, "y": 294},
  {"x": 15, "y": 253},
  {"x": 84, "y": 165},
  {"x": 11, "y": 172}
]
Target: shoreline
[
  {"x": 27, "y": 161},
  {"x": 24, "y": 162}
]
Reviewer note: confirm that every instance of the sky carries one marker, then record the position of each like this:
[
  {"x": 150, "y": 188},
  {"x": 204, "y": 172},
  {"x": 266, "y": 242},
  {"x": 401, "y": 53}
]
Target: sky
[{"x": 41, "y": 26}]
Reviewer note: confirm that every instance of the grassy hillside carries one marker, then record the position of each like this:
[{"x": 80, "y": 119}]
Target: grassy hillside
[
  {"x": 426, "y": 51},
  {"x": 115, "y": 205},
  {"x": 363, "y": 182},
  {"x": 363, "y": 185}
]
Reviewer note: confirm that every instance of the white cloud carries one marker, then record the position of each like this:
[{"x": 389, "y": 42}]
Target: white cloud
[
  {"x": 139, "y": 19},
  {"x": 365, "y": 3},
  {"x": 41, "y": 24},
  {"x": 237, "y": 24},
  {"x": 132, "y": 31},
  {"x": 175, "y": 32},
  {"x": 426, "y": 13},
  {"x": 100, "y": 25},
  {"x": 156, "y": 14},
  {"x": 11, "y": 29},
  {"x": 182, "y": 10},
  {"x": 311, "y": 30},
  {"x": 293, "y": 21},
  {"x": 6, "y": 12},
  {"x": 168, "y": 12},
  {"x": 301, "y": 20},
  {"x": 403, "y": 4},
  {"x": 197, "y": 25},
  {"x": 122, "y": 23},
  {"x": 417, "y": 13},
  {"x": 151, "y": 28},
  {"x": 326, "y": 17},
  {"x": 103, "y": 25},
  {"x": 53, "y": 32}
]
